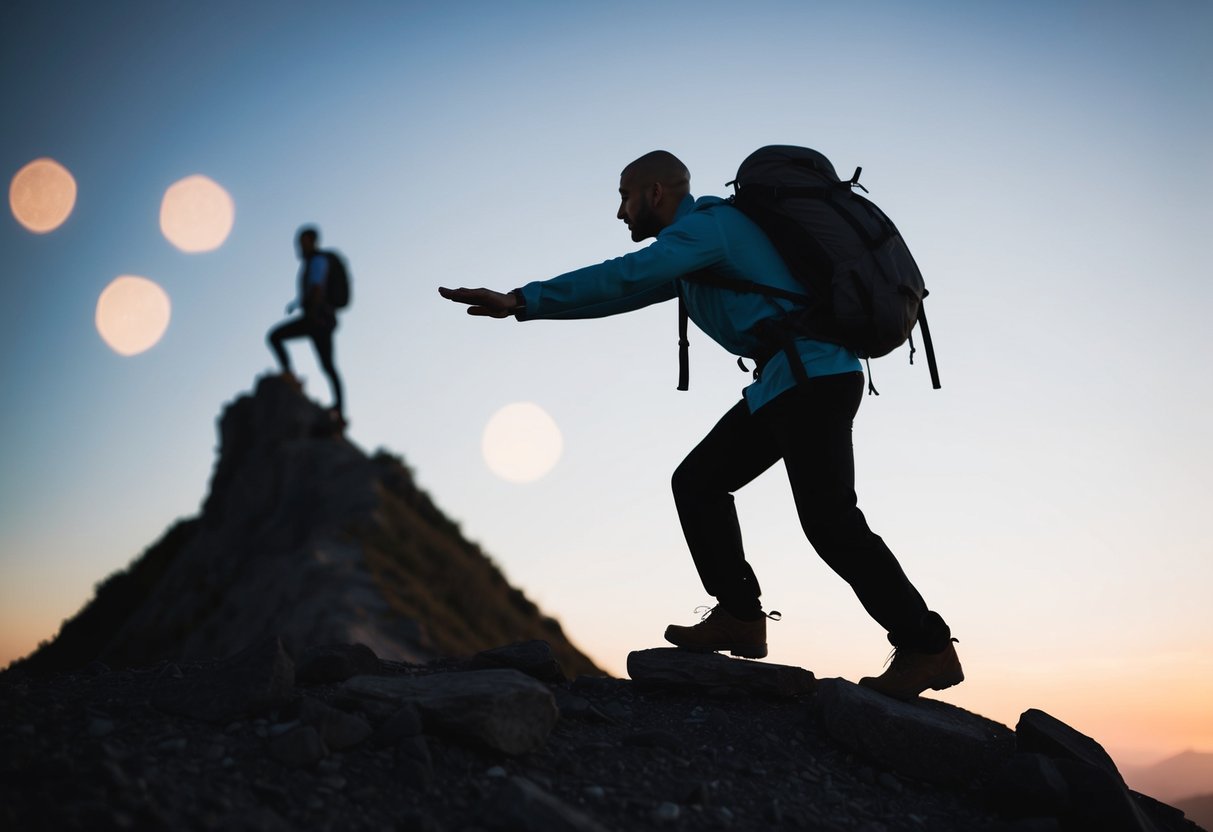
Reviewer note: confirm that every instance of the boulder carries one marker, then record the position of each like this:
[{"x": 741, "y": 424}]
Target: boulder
[
  {"x": 253, "y": 680},
  {"x": 504, "y": 710},
  {"x": 1027, "y": 786},
  {"x": 338, "y": 729},
  {"x": 924, "y": 738},
  {"x": 335, "y": 663},
  {"x": 1037, "y": 731},
  {"x": 674, "y": 668},
  {"x": 1099, "y": 797},
  {"x": 534, "y": 658}
]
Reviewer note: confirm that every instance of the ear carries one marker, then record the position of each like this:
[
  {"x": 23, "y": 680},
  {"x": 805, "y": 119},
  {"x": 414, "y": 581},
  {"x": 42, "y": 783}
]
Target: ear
[{"x": 656, "y": 194}]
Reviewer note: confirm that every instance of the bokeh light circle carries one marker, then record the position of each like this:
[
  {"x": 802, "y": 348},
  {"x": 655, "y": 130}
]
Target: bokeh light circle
[
  {"x": 521, "y": 442},
  {"x": 132, "y": 314},
  {"x": 42, "y": 195},
  {"x": 196, "y": 214}
]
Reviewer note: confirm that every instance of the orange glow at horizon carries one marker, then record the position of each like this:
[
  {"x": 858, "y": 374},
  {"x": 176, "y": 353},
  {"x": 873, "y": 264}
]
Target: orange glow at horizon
[
  {"x": 132, "y": 314},
  {"x": 42, "y": 195},
  {"x": 196, "y": 214}
]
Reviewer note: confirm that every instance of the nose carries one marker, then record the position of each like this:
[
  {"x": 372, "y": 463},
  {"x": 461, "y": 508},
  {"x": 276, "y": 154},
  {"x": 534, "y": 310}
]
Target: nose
[{"x": 620, "y": 215}]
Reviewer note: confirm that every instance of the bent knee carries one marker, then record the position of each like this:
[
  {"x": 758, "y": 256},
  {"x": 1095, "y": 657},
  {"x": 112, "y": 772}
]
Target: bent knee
[{"x": 684, "y": 480}]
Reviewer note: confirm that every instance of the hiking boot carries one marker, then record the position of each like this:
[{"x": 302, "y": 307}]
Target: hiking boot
[
  {"x": 910, "y": 673},
  {"x": 721, "y": 630}
]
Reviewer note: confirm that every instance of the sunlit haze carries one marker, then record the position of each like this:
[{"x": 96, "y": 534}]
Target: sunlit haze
[{"x": 1050, "y": 165}]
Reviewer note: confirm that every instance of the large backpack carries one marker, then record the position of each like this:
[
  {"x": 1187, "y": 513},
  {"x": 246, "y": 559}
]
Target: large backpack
[
  {"x": 862, "y": 287},
  {"x": 337, "y": 281}
]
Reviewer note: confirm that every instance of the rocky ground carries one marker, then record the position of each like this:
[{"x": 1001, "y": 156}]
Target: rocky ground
[{"x": 271, "y": 743}]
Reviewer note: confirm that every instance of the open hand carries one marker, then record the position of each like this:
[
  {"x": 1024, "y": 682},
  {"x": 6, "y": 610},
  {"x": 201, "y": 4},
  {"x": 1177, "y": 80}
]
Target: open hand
[{"x": 482, "y": 301}]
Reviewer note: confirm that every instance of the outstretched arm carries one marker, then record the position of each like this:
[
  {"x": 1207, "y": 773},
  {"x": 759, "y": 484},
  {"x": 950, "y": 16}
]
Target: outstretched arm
[{"x": 484, "y": 302}]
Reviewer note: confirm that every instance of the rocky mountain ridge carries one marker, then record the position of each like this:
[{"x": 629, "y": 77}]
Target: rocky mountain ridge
[
  {"x": 336, "y": 738},
  {"x": 305, "y": 536},
  {"x": 321, "y": 649}
]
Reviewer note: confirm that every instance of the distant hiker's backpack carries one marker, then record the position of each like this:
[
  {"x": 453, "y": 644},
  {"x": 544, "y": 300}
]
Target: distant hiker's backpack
[
  {"x": 863, "y": 289},
  {"x": 337, "y": 281}
]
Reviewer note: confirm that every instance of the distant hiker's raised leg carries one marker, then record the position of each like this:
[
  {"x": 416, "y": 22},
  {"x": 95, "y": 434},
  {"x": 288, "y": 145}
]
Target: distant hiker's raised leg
[
  {"x": 733, "y": 453},
  {"x": 812, "y": 424},
  {"x": 322, "y": 338},
  {"x": 294, "y": 328}
]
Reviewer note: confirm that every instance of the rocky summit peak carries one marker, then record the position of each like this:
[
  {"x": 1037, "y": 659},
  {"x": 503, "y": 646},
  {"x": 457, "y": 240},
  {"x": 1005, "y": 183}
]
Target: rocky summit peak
[{"x": 306, "y": 537}]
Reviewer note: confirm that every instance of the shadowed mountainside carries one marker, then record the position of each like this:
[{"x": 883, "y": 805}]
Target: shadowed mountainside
[{"x": 305, "y": 536}]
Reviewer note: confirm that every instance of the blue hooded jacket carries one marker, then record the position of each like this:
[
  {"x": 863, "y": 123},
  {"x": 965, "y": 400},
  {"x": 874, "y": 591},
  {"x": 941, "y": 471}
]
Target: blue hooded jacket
[{"x": 709, "y": 235}]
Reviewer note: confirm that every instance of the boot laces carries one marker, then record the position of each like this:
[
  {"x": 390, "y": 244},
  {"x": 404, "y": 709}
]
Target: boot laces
[
  {"x": 705, "y": 612},
  {"x": 898, "y": 654}
]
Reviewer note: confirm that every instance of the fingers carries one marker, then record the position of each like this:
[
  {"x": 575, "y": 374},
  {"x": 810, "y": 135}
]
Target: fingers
[
  {"x": 465, "y": 295},
  {"x": 481, "y": 302},
  {"x": 488, "y": 311}
]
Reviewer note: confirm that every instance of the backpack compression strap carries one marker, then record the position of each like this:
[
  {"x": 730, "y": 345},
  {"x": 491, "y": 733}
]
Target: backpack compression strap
[
  {"x": 684, "y": 358},
  {"x": 784, "y": 336},
  {"x": 926, "y": 343}
]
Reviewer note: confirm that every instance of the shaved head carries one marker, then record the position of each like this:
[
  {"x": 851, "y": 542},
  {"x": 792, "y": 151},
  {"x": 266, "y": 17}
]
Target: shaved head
[
  {"x": 659, "y": 166},
  {"x": 650, "y": 191}
]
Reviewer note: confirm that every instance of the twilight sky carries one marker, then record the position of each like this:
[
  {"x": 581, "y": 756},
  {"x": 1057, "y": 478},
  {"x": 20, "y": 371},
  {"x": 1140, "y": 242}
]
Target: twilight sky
[{"x": 1050, "y": 164}]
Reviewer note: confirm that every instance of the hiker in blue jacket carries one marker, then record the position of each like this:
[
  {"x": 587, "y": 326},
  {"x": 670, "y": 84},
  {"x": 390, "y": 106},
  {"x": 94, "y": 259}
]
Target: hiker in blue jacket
[
  {"x": 317, "y": 319},
  {"x": 807, "y": 425}
]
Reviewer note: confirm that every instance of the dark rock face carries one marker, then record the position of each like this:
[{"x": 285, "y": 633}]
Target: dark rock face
[
  {"x": 924, "y": 738},
  {"x": 504, "y": 710},
  {"x": 670, "y": 667},
  {"x": 251, "y": 682},
  {"x": 306, "y": 537},
  {"x": 445, "y": 746},
  {"x": 534, "y": 658},
  {"x": 1095, "y": 794},
  {"x": 274, "y": 665},
  {"x": 336, "y": 662}
]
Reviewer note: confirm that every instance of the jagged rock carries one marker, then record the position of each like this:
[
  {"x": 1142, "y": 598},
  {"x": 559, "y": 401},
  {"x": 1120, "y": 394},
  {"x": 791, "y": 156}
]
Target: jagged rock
[
  {"x": 534, "y": 658},
  {"x": 674, "y": 668},
  {"x": 256, "y": 678},
  {"x": 1038, "y": 731},
  {"x": 503, "y": 709},
  {"x": 338, "y": 729},
  {"x": 335, "y": 663},
  {"x": 1028, "y": 785},
  {"x": 924, "y": 739},
  {"x": 522, "y": 806},
  {"x": 1099, "y": 798}
]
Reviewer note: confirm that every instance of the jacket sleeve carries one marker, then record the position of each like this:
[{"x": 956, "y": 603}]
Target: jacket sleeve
[{"x": 632, "y": 281}]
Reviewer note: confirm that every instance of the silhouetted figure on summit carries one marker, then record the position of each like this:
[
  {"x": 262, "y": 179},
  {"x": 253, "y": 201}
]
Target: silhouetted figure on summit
[
  {"x": 323, "y": 289},
  {"x": 806, "y": 423}
]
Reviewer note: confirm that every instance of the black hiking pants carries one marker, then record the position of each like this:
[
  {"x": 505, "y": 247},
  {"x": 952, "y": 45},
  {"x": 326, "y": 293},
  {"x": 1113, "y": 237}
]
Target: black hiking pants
[
  {"x": 809, "y": 428},
  {"x": 318, "y": 326}
]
